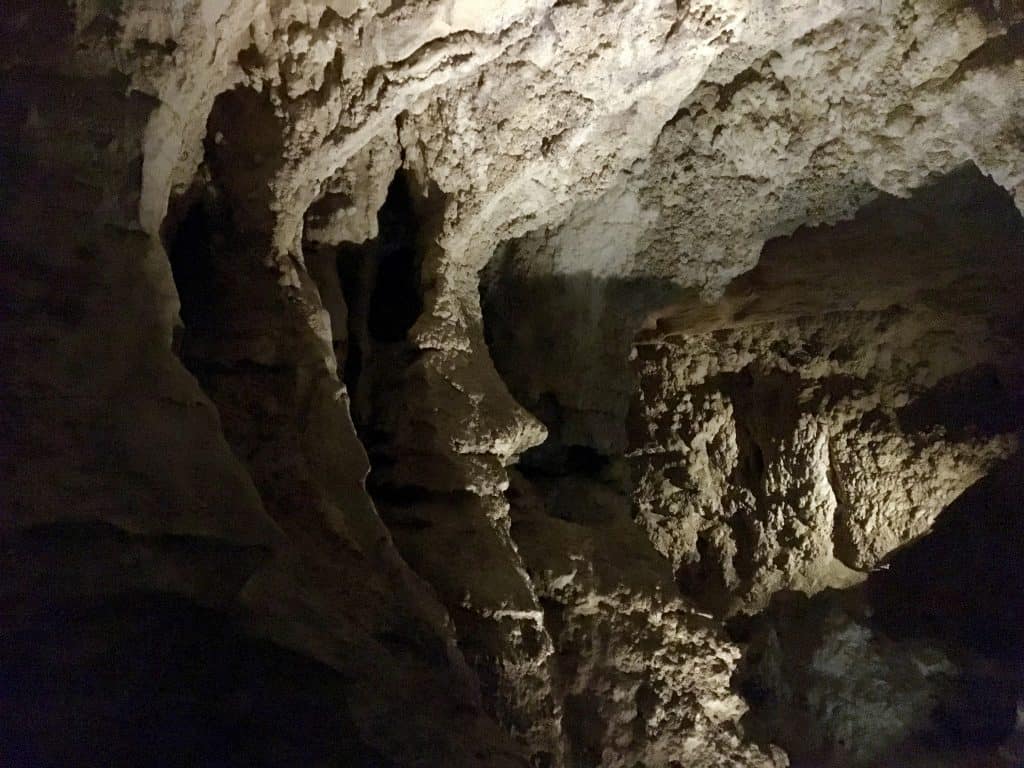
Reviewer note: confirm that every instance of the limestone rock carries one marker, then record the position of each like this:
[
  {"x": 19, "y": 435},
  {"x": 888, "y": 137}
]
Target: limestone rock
[{"x": 411, "y": 384}]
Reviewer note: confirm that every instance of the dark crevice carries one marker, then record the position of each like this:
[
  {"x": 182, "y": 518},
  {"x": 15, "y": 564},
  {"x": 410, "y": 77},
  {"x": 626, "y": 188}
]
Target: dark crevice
[
  {"x": 585, "y": 728},
  {"x": 413, "y": 495},
  {"x": 396, "y": 300},
  {"x": 963, "y": 582},
  {"x": 548, "y": 461},
  {"x": 995, "y": 52},
  {"x": 380, "y": 282},
  {"x": 190, "y": 249}
]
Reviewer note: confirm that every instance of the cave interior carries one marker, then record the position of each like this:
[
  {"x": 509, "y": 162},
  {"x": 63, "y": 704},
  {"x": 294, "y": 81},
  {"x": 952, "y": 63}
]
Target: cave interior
[{"x": 512, "y": 385}]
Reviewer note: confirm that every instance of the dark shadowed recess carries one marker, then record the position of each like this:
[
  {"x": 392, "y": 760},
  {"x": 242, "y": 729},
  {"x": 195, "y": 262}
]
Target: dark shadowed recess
[
  {"x": 965, "y": 581},
  {"x": 960, "y": 591},
  {"x": 396, "y": 301},
  {"x": 381, "y": 283},
  {"x": 100, "y": 664},
  {"x": 381, "y": 297},
  {"x": 561, "y": 343},
  {"x": 963, "y": 586},
  {"x": 153, "y": 680},
  {"x": 210, "y": 694}
]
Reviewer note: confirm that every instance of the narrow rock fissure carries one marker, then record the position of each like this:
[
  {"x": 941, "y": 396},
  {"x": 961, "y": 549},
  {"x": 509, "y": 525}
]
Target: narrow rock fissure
[
  {"x": 441, "y": 529},
  {"x": 381, "y": 297}
]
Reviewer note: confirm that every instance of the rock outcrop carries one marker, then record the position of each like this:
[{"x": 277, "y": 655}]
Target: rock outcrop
[{"x": 793, "y": 441}]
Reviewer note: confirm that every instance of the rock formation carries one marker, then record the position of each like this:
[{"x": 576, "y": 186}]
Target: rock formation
[{"x": 512, "y": 383}]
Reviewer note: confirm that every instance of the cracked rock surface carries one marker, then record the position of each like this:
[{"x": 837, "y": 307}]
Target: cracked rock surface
[{"x": 511, "y": 383}]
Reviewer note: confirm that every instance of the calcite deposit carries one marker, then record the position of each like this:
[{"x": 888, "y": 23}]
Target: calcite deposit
[{"x": 511, "y": 383}]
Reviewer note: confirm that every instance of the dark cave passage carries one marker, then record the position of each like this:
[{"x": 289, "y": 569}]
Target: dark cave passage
[
  {"x": 160, "y": 681},
  {"x": 962, "y": 586},
  {"x": 396, "y": 299},
  {"x": 379, "y": 296}
]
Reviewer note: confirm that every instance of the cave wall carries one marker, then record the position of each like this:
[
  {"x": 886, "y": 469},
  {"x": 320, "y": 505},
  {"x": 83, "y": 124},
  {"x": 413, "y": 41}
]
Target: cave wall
[
  {"x": 200, "y": 542},
  {"x": 789, "y": 439},
  {"x": 244, "y": 486}
]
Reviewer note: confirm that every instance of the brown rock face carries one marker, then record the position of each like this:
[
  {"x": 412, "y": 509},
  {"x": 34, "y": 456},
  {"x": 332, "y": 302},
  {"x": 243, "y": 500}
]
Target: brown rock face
[{"x": 539, "y": 384}]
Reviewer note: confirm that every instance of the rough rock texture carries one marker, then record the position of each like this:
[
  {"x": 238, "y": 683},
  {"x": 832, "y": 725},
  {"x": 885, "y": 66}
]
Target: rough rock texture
[
  {"x": 779, "y": 449},
  {"x": 920, "y": 667},
  {"x": 786, "y": 439},
  {"x": 762, "y": 475},
  {"x": 839, "y": 693},
  {"x": 257, "y": 504},
  {"x": 641, "y": 675}
]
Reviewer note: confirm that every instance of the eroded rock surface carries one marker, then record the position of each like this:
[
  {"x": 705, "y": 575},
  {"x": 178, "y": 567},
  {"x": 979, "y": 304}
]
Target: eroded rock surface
[
  {"x": 788, "y": 442},
  {"x": 410, "y": 384}
]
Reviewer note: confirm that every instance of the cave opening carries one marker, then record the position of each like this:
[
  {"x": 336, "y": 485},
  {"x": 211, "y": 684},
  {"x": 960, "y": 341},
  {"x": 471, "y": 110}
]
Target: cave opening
[
  {"x": 190, "y": 252},
  {"x": 201, "y": 239},
  {"x": 216, "y": 234},
  {"x": 962, "y": 584}
]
